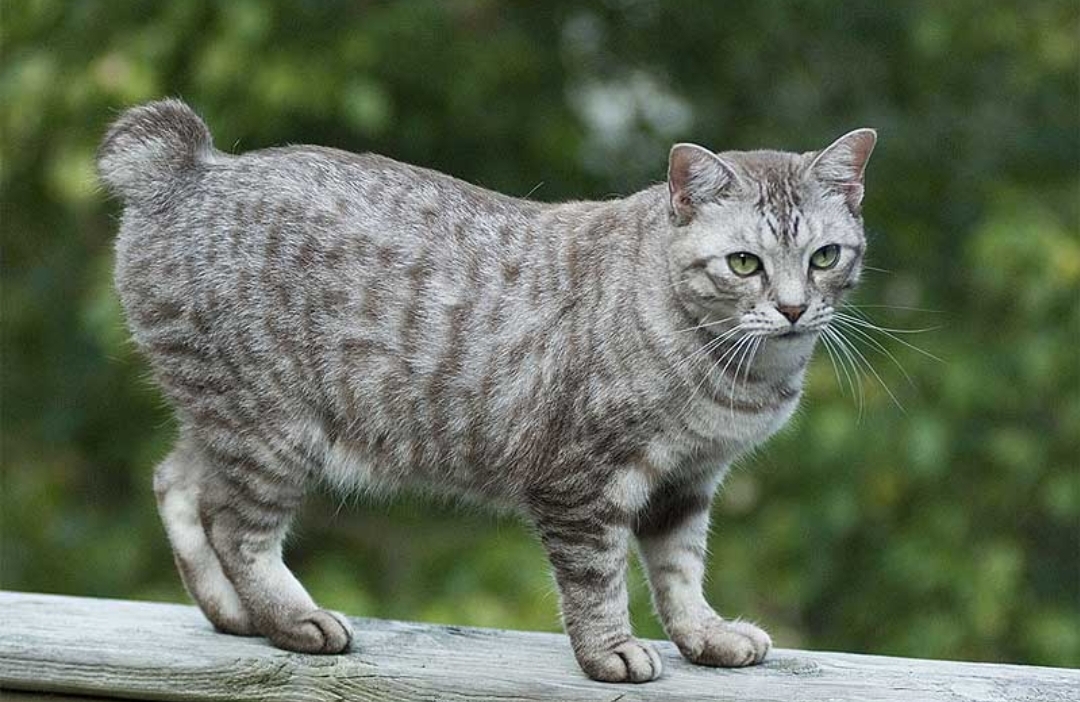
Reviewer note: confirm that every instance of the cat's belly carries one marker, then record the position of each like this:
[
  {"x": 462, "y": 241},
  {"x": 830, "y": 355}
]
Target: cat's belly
[{"x": 352, "y": 466}]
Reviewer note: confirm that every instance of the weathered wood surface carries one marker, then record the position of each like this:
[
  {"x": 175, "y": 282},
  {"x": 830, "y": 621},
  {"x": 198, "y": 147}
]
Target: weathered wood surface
[{"x": 150, "y": 651}]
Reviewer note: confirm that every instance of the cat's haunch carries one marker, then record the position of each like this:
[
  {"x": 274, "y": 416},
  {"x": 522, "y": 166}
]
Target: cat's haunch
[{"x": 313, "y": 314}]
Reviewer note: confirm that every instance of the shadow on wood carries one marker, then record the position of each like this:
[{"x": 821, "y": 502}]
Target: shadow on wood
[{"x": 150, "y": 651}]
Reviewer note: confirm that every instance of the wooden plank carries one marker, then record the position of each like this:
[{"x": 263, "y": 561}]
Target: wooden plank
[
  {"x": 151, "y": 651},
  {"x": 20, "y": 696}
]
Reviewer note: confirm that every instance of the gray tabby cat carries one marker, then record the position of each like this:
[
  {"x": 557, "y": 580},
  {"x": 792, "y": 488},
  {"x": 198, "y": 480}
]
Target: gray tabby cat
[{"x": 320, "y": 315}]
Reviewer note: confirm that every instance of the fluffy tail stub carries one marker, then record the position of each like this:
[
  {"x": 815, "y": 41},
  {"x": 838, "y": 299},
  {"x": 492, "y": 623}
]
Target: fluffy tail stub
[{"x": 149, "y": 147}]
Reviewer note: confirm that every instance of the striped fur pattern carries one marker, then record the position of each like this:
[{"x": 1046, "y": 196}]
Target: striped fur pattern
[{"x": 316, "y": 315}]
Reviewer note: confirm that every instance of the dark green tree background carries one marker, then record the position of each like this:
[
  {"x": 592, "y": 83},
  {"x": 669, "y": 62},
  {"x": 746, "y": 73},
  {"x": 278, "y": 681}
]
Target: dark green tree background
[{"x": 948, "y": 529}]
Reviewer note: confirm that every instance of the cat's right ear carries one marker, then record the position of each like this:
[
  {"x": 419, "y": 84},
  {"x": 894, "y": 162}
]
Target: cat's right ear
[{"x": 695, "y": 175}]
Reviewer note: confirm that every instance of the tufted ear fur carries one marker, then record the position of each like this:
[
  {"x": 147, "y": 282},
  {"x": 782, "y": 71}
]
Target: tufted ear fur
[
  {"x": 841, "y": 165},
  {"x": 695, "y": 175}
]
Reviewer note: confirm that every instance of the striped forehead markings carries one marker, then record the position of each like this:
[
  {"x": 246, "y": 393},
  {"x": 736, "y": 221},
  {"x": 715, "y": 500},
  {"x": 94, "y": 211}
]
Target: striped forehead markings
[{"x": 778, "y": 204}]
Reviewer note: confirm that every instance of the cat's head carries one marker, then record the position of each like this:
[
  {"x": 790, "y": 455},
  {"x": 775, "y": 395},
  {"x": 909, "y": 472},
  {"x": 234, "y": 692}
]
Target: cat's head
[{"x": 768, "y": 240}]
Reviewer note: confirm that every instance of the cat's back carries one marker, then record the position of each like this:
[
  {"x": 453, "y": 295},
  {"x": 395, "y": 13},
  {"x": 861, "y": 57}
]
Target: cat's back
[
  {"x": 288, "y": 220},
  {"x": 161, "y": 160}
]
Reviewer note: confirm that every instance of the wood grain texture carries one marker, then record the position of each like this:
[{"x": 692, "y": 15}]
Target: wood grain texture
[{"x": 150, "y": 651}]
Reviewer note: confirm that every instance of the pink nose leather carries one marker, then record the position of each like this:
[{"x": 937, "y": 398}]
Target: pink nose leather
[{"x": 792, "y": 312}]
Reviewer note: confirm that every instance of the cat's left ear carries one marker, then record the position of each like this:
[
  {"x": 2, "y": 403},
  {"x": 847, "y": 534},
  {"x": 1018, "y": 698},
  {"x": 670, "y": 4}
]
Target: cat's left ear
[
  {"x": 841, "y": 165},
  {"x": 695, "y": 175}
]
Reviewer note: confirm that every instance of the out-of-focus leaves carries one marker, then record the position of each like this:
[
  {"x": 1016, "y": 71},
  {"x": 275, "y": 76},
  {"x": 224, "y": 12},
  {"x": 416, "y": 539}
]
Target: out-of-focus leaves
[{"x": 951, "y": 528}]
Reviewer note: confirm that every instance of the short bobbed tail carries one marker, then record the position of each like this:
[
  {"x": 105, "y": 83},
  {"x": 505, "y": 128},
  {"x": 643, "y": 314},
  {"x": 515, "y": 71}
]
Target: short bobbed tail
[{"x": 150, "y": 147}]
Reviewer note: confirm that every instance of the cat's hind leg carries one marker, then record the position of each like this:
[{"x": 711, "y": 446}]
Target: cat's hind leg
[
  {"x": 177, "y": 482},
  {"x": 246, "y": 505}
]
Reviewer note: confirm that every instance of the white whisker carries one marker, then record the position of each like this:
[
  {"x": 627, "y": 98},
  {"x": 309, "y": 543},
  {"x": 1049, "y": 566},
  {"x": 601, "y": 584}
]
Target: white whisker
[
  {"x": 905, "y": 308},
  {"x": 877, "y": 345},
  {"x": 828, "y": 344},
  {"x": 758, "y": 340},
  {"x": 704, "y": 325},
  {"x": 728, "y": 354},
  {"x": 738, "y": 366},
  {"x": 845, "y": 353},
  {"x": 710, "y": 346},
  {"x": 891, "y": 333},
  {"x": 869, "y": 366},
  {"x": 865, "y": 321}
]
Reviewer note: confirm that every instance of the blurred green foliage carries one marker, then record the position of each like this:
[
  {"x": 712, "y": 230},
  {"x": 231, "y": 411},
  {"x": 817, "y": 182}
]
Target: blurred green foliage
[{"x": 949, "y": 529}]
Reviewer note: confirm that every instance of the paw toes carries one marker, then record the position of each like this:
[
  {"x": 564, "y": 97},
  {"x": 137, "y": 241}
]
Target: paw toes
[
  {"x": 727, "y": 649},
  {"x": 727, "y": 644},
  {"x": 334, "y": 633},
  {"x": 632, "y": 661},
  {"x": 318, "y": 631},
  {"x": 760, "y": 640}
]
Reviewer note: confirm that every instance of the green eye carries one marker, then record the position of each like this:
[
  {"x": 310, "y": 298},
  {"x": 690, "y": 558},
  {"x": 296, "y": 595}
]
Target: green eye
[
  {"x": 825, "y": 257},
  {"x": 744, "y": 264}
]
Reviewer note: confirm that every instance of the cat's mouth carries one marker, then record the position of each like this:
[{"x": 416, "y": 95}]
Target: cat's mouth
[{"x": 794, "y": 333}]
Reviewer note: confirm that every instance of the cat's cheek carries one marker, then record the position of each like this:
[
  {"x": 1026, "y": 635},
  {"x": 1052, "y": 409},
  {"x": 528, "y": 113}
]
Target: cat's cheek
[{"x": 702, "y": 287}]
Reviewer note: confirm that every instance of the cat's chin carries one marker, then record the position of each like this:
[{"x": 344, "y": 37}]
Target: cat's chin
[{"x": 794, "y": 335}]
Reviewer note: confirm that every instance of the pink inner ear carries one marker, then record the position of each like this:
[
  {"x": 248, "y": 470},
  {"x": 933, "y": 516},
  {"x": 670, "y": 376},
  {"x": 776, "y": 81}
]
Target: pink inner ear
[
  {"x": 862, "y": 145},
  {"x": 853, "y": 193},
  {"x": 861, "y": 148},
  {"x": 695, "y": 175},
  {"x": 844, "y": 161},
  {"x": 679, "y": 174},
  {"x": 679, "y": 182},
  {"x": 681, "y": 203}
]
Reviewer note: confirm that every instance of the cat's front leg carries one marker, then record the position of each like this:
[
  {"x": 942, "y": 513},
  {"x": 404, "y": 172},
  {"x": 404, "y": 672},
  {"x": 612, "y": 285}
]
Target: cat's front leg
[
  {"x": 587, "y": 543},
  {"x": 672, "y": 534}
]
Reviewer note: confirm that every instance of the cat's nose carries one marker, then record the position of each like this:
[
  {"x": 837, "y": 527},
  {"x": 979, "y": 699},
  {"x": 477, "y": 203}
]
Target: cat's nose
[{"x": 792, "y": 312}]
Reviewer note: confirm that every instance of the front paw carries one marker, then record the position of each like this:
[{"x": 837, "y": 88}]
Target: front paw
[
  {"x": 727, "y": 644},
  {"x": 631, "y": 661},
  {"x": 317, "y": 631}
]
